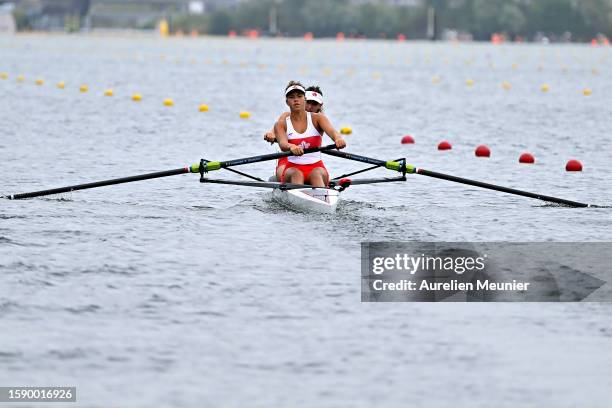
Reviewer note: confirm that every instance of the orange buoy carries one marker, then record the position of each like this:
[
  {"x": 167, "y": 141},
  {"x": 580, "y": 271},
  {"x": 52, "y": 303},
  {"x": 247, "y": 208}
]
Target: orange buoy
[
  {"x": 482, "y": 151},
  {"x": 527, "y": 158},
  {"x": 573, "y": 165}
]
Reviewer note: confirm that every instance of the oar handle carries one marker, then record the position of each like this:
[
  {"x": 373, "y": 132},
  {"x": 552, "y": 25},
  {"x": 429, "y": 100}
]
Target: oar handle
[{"x": 211, "y": 166}]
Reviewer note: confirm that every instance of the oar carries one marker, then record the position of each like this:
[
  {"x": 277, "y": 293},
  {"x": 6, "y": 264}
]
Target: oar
[
  {"x": 195, "y": 168},
  {"x": 211, "y": 166},
  {"x": 397, "y": 166}
]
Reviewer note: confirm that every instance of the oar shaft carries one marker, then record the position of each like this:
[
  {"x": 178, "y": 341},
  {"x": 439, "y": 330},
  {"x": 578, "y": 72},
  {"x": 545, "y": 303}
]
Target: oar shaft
[
  {"x": 210, "y": 166},
  {"x": 391, "y": 165},
  {"x": 500, "y": 188},
  {"x": 394, "y": 165},
  {"x": 102, "y": 183}
]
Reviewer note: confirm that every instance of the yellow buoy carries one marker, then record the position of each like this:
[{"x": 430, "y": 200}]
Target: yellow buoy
[
  {"x": 61, "y": 85},
  {"x": 203, "y": 108},
  {"x": 163, "y": 28},
  {"x": 137, "y": 97},
  {"x": 469, "y": 82},
  {"x": 587, "y": 92},
  {"x": 346, "y": 130},
  {"x": 109, "y": 92},
  {"x": 435, "y": 80},
  {"x": 245, "y": 115},
  {"x": 168, "y": 102},
  {"x": 515, "y": 66},
  {"x": 545, "y": 88},
  {"x": 83, "y": 88},
  {"x": 506, "y": 86},
  {"x": 3, "y": 75},
  {"x": 39, "y": 81},
  {"x": 20, "y": 78}
]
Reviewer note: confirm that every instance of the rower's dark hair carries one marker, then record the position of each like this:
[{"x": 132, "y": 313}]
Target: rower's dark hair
[
  {"x": 315, "y": 88},
  {"x": 292, "y": 83}
]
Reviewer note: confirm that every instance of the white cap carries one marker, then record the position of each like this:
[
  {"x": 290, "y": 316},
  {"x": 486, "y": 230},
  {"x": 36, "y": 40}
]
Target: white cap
[
  {"x": 295, "y": 88},
  {"x": 314, "y": 96}
]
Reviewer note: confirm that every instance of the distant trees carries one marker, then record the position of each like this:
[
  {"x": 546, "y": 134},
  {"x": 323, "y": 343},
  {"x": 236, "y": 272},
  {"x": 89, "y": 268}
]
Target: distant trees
[{"x": 583, "y": 18}]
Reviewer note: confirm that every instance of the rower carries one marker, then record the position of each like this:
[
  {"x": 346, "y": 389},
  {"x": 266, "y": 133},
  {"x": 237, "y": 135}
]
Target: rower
[
  {"x": 301, "y": 130},
  {"x": 314, "y": 103}
]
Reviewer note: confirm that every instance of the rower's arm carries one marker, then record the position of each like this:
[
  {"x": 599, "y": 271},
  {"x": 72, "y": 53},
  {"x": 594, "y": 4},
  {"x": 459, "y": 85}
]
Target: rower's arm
[
  {"x": 280, "y": 130},
  {"x": 270, "y": 136},
  {"x": 325, "y": 125}
]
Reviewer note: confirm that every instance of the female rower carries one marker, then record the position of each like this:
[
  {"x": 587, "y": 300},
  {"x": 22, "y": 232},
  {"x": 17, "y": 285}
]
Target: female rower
[
  {"x": 302, "y": 130},
  {"x": 314, "y": 103}
]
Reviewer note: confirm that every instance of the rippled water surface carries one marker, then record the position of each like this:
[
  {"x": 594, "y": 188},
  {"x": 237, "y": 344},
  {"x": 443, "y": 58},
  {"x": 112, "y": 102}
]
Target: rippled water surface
[{"x": 172, "y": 293}]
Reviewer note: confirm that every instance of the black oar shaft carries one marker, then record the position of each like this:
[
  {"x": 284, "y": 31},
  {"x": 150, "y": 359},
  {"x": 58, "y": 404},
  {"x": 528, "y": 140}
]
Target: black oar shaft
[
  {"x": 95, "y": 184},
  {"x": 500, "y": 188},
  {"x": 272, "y": 156},
  {"x": 411, "y": 169},
  {"x": 356, "y": 157}
]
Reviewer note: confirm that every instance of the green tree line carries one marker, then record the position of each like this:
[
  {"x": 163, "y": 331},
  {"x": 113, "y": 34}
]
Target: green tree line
[{"x": 324, "y": 18}]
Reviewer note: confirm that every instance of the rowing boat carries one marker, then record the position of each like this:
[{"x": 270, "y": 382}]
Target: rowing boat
[{"x": 319, "y": 200}]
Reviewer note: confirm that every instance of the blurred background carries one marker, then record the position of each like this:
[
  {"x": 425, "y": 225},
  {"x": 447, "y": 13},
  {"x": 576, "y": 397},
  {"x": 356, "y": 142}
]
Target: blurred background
[{"x": 496, "y": 20}]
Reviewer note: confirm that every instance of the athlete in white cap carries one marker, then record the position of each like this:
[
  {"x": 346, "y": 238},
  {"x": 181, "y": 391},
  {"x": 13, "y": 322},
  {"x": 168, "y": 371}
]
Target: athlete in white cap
[
  {"x": 314, "y": 104},
  {"x": 302, "y": 130}
]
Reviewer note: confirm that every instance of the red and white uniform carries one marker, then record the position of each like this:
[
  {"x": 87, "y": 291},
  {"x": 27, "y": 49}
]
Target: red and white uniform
[{"x": 309, "y": 139}]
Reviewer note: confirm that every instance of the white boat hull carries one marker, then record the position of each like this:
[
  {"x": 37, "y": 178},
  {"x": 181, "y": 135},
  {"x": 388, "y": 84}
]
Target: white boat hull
[{"x": 320, "y": 200}]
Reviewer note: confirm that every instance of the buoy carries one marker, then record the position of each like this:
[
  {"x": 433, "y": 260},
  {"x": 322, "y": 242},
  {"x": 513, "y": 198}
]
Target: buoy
[
  {"x": 20, "y": 78},
  {"x": 483, "y": 151},
  {"x": 407, "y": 139},
  {"x": 137, "y": 97},
  {"x": 61, "y": 84},
  {"x": 168, "y": 102},
  {"x": 109, "y": 92},
  {"x": 245, "y": 115},
  {"x": 401, "y": 37},
  {"x": 587, "y": 92},
  {"x": 3, "y": 75},
  {"x": 545, "y": 88},
  {"x": 435, "y": 80},
  {"x": 506, "y": 86},
  {"x": 83, "y": 88},
  {"x": 203, "y": 108},
  {"x": 39, "y": 82},
  {"x": 573, "y": 165},
  {"x": 444, "y": 145},
  {"x": 469, "y": 82},
  {"x": 527, "y": 158},
  {"x": 346, "y": 130}
]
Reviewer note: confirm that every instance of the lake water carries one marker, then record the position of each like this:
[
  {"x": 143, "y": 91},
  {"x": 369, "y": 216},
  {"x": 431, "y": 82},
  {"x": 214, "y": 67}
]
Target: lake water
[{"x": 169, "y": 292}]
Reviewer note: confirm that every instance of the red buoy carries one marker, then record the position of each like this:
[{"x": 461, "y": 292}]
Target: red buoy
[
  {"x": 407, "y": 139},
  {"x": 527, "y": 158},
  {"x": 444, "y": 145},
  {"x": 573, "y": 165},
  {"x": 483, "y": 151}
]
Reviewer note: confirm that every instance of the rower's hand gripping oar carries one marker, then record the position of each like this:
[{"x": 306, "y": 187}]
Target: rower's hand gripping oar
[
  {"x": 195, "y": 168},
  {"x": 407, "y": 168}
]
